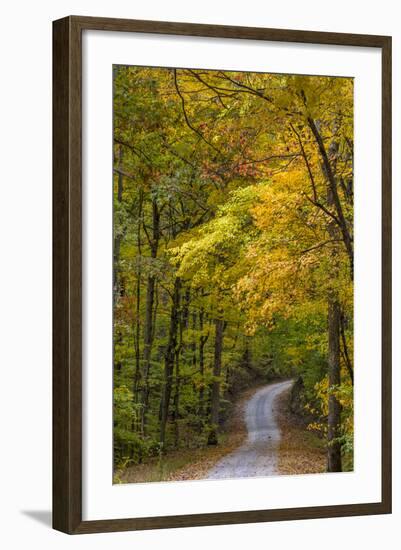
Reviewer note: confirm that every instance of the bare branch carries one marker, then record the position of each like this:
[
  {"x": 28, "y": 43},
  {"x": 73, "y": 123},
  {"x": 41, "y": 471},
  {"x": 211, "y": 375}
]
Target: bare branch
[
  {"x": 197, "y": 132},
  {"x": 311, "y": 177}
]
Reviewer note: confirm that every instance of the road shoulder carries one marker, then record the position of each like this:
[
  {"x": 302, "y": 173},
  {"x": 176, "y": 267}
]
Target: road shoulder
[{"x": 299, "y": 451}]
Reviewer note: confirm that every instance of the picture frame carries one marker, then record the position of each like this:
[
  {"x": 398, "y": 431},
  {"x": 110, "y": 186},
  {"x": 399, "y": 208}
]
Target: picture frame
[{"x": 68, "y": 295}]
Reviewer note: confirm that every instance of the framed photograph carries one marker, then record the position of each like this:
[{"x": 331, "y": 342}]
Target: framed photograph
[{"x": 222, "y": 275}]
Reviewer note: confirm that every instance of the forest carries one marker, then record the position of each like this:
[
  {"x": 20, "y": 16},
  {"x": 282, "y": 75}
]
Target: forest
[{"x": 233, "y": 254}]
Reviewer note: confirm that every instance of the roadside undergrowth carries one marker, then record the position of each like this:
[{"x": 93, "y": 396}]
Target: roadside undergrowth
[
  {"x": 192, "y": 464},
  {"x": 300, "y": 451}
]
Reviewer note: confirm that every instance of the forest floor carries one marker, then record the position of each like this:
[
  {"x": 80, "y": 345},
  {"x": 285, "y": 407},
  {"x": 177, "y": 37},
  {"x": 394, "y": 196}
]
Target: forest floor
[{"x": 300, "y": 451}]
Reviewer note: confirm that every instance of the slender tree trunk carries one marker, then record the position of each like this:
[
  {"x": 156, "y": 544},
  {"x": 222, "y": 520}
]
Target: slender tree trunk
[
  {"x": 137, "y": 421},
  {"x": 118, "y": 235},
  {"x": 202, "y": 342},
  {"x": 347, "y": 359},
  {"x": 180, "y": 349},
  {"x": 170, "y": 359},
  {"x": 185, "y": 308},
  {"x": 149, "y": 311},
  {"x": 118, "y": 289},
  {"x": 137, "y": 328},
  {"x": 215, "y": 390},
  {"x": 193, "y": 343},
  {"x": 334, "y": 354},
  {"x": 334, "y": 413},
  {"x": 137, "y": 373},
  {"x": 176, "y": 413},
  {"x": 194, "y": 318}
]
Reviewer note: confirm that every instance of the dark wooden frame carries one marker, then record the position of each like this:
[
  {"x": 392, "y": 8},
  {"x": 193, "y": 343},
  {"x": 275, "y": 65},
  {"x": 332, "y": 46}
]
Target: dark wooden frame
[{"x": 67, "y": 261}]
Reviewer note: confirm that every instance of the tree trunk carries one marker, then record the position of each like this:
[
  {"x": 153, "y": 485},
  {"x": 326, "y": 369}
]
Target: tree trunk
[
  {"x": 334, "y": 413},
  {"x": 170, "y": 359},
  {"x": 178, "y": 351},
  {"x": 347, "y": 359},
  {"x": 202, "y": 342},
  {"x": 215, "y": 393},
  {"x": 193, "y": 343},
  {"x": 138, "y": 420},
  {"x": 137, "y": 329},
  {"x": 334, "y": 353},
  {"x": 118, "y": 236},
  {"x": 118, "y": 288},
  {"x": 149, "y": 320}
]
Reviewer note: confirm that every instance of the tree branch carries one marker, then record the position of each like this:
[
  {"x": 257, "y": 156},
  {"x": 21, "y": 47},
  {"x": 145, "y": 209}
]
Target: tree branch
[
  {"x": 312, "y": 179},
  {"x": 333, "y": 188},
  {"x": 197, "y": 132}
]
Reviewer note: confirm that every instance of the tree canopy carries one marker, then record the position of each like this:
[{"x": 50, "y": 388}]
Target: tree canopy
[{"x": 233, "y": 252}]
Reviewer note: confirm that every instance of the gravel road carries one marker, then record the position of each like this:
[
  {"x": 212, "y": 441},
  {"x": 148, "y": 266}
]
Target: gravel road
[{"x": 258, "y": 456}]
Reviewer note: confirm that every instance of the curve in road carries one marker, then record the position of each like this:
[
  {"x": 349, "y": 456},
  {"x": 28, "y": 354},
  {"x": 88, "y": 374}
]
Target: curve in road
[{"x": 258, "y": 456}]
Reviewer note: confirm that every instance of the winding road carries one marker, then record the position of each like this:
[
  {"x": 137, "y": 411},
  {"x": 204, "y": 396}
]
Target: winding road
[{"x": 257, "y": 457}]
